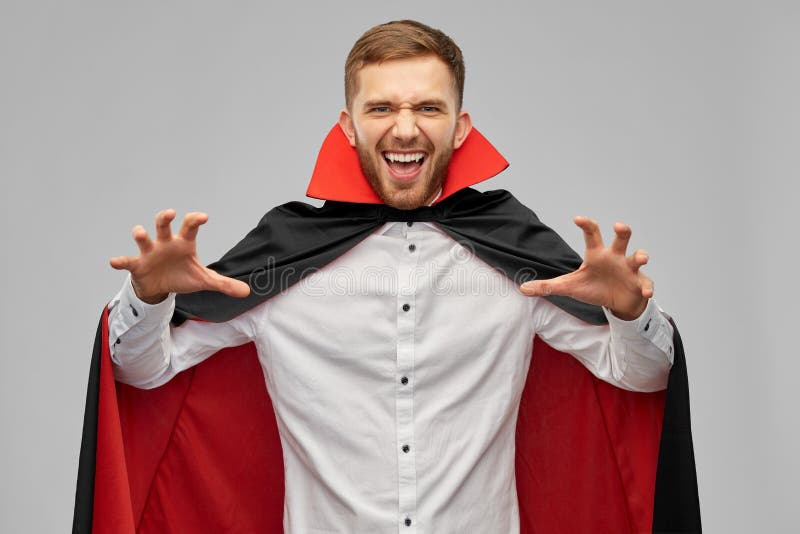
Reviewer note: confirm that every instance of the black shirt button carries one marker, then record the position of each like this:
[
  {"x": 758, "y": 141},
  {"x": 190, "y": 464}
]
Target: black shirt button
[
  {"x": 408, "y": 521},
  {"x": 410, "y": 223},
  {"x": 117, "y": 342},
  {"x": 412, "y": 247},
  {"x": 406, "y": 307},
  {"x": 135, "y": 313},
  {"x": 404, "y": 380},
  {"x": 406, "y": 448}
]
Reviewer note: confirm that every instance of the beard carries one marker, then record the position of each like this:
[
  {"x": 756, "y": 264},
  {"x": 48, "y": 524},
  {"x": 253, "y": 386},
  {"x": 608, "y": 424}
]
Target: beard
[{"x": 413, "y": 195}]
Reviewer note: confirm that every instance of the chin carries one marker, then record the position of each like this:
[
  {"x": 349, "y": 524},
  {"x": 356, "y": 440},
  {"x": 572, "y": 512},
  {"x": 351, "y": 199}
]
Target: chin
[
  {"x": 403, "y": 201},
  {"x": 407, "y": 198}
]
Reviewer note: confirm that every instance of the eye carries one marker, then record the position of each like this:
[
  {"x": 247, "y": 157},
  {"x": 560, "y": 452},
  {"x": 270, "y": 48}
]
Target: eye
[
  {"x": 429, "y": 109},
  {"x": 380, "y": 109}
]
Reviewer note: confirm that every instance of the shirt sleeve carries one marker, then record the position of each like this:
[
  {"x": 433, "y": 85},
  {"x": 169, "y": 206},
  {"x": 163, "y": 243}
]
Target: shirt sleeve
[
  {"x": 634, "y": 355},
  {"x": 147, "y": 351}
]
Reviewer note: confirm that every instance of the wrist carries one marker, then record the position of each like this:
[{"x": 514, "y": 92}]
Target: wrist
[
  {"x": 147, "y": 298},
  {"x": 631, "y": 314}
]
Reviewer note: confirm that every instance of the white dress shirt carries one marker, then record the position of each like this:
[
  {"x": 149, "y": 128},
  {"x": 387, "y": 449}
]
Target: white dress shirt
[{"x": 396, "y": 373}]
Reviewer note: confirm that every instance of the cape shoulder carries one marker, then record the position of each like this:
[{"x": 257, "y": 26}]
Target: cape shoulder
[{"x": 295, "y": 239}]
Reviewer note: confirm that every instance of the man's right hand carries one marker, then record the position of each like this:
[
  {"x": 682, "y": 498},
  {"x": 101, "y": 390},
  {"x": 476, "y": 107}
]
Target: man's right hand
[{"x": 170, "y": 265}]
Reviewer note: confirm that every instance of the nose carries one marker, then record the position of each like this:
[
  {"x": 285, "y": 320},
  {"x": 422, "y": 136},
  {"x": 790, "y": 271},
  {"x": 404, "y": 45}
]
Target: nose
[{"x": 405, "y": 125}]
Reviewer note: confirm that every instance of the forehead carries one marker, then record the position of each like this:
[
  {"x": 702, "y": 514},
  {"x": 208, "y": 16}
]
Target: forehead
[{"x": 402, "y": 80}]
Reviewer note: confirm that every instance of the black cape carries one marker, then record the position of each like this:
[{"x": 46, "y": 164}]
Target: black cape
[{"x": 292, "y": 241}]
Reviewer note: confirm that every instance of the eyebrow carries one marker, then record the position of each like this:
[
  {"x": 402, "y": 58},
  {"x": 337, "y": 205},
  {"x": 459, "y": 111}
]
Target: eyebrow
[{"x": 431, "y": 102}]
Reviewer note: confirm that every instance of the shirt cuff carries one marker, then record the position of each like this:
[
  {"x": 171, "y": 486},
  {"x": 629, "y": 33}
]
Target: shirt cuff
[
  {"x": 652, "y": 325},
  {"x": 133, "y": 311}
]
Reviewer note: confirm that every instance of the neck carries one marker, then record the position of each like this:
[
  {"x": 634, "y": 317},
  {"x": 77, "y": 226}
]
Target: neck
[{"x": 434, "y": 198}]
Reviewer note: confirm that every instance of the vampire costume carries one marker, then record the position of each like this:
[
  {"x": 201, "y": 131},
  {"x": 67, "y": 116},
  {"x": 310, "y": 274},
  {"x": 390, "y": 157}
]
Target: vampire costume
[{"x": 590, "y": 457}]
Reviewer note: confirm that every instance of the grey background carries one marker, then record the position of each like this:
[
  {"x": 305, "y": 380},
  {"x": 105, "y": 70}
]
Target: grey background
[{"x": 680, "y": 118}]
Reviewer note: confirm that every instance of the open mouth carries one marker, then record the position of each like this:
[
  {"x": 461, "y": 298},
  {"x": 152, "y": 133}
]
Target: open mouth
[{"x": 404, "y": 165}]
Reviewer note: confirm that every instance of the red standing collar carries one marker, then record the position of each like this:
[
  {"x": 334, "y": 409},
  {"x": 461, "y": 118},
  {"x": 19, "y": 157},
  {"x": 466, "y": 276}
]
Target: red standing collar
[{"x": 338, "y": 176}]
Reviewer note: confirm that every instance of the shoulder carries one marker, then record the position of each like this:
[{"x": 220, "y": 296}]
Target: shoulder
[{"x": 498, "y": 202}]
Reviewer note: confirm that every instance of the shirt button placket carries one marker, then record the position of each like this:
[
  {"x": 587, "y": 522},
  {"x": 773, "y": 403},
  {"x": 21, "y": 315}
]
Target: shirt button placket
[{"x": 406, "y": 313}]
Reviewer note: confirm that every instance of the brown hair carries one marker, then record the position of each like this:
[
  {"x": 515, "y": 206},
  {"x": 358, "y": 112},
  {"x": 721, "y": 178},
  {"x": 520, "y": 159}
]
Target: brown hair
[{"x": 403, "y": 39}]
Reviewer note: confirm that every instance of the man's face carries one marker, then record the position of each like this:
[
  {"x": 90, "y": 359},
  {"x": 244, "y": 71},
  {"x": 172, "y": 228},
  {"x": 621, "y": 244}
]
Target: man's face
[{"x": 405, "y": 126}]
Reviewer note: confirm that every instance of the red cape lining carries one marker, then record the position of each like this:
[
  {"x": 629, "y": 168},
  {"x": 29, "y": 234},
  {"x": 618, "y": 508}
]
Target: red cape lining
[{"x": 202, "y": 453}]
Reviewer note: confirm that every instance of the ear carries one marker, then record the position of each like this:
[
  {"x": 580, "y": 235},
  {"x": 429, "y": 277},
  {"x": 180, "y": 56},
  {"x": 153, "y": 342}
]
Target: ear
[
  {"x": 463, "y": 128},
  {"x": 349, "y": 129}
]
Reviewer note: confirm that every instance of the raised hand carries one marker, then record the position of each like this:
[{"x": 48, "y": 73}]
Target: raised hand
[
  {"x": 606, "y": 277},
  {"x": 170, "y": 264}
]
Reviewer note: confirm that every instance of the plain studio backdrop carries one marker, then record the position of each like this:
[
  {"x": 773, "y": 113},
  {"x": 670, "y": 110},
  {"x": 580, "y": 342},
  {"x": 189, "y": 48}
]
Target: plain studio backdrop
[{"x": 680, "y": 118}]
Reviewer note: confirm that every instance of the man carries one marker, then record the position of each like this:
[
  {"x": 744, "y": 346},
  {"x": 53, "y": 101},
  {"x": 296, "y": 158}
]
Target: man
[{"x": 396, "y": 368}]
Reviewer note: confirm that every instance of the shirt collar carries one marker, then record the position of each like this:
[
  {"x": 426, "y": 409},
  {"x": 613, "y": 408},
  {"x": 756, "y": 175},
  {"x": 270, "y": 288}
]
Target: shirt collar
[
  {"x": 392, "y": 227},
  {"x": 425, "y": 225}
]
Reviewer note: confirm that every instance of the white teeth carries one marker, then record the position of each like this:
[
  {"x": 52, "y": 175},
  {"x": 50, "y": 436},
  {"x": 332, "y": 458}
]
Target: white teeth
[{"x": 393, "y": 156}]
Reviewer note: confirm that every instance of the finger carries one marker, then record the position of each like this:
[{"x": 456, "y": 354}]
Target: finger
[
  {"x": 191, "y": 223},
  {"x": 560, "y": 285},
  {"x": 638, "y": 258},
  {"x": 648, "y": 286},
  {"x": 621, "y": 238},
  {"x": 591, "y": 231},
  {"x": 163, "y": 219},
  {"x": 142, "y": 239},
  {"x": 123, "y": 263},
  {"x": 229, "y": 286}
]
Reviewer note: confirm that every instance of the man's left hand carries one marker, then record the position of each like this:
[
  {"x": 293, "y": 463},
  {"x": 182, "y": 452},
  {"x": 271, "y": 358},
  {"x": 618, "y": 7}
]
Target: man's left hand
[{"x": 606, "y": 277}]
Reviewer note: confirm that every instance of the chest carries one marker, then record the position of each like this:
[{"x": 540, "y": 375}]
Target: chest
[
  {"x": 417, "y": 303},
  {"x": 421, "y": 286}
]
